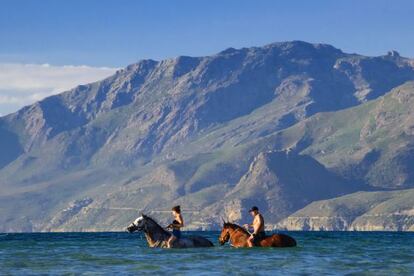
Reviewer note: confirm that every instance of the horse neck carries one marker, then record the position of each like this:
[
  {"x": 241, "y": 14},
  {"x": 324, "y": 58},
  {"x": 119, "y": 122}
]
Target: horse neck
[{"x": 237, "y": 232}]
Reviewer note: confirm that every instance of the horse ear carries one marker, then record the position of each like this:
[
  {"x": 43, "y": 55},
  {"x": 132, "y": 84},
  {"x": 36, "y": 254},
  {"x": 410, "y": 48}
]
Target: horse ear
[{"x": 224, "y": 222}]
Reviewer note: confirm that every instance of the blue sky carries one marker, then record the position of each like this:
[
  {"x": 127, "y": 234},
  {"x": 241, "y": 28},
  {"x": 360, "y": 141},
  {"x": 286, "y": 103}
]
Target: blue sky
[
  {"x": 116, "y": 33},
  {"x": 103, "y": 33}
]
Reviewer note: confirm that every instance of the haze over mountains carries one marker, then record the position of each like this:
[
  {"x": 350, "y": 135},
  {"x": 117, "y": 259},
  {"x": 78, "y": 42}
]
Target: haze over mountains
[{"x": 292, "y": 127}]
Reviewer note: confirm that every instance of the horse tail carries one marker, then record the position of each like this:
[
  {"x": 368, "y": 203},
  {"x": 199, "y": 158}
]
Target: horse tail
[
  {"x": 283, "y": 240},
  {"x": 288, "y": 240},
  {"x": 210, "y": 244},
  {"x": 291, "y": 241},
  {"x": 201, "y": 242}
]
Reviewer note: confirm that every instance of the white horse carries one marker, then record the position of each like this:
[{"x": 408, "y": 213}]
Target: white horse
[{"x": 158, "y": 236}]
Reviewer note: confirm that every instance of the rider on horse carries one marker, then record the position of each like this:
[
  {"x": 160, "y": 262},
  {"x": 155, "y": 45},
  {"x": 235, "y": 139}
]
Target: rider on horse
[
  {"x": 258, "y": 227},
  {"x": 175, "y": 226}
]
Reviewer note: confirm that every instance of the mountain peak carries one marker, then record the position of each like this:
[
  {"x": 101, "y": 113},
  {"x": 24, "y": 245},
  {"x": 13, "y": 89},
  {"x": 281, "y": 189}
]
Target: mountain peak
[
  {"x": 297, "y": 45},
  {"x": 393, "y": 53}
]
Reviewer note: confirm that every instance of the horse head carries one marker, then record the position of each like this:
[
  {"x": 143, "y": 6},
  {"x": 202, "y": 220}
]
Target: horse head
[
  {"x": 140, "y": 224},
  {"x": 225, "y": 233}
]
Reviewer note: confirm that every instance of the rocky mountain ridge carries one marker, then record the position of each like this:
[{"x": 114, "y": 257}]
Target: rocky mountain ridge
[{"x": 214, "y": 134}]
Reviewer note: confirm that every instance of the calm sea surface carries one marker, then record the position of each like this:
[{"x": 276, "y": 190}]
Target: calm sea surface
[{"x": 336, "y": 253}]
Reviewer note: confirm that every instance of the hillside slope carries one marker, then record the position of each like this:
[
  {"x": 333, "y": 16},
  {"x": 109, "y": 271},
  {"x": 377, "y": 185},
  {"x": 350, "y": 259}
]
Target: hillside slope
[{"x": 372, "y": 142}]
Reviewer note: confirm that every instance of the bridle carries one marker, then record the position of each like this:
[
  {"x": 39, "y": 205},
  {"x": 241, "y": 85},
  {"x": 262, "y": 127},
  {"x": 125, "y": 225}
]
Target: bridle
[
  {"x": 140, "y": 228},
  {"x": 226, "y": 237}
]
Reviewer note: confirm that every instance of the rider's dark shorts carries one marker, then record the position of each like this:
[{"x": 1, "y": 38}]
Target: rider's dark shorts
[
  {"x": 258, "y": 237},
  {"x": 176, "y": 233}
]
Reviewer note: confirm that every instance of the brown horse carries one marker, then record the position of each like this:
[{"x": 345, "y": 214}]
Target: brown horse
[{"x": 238, "y": 237}]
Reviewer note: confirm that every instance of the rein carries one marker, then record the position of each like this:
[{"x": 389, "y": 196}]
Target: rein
[
  {"x": 240, "y": 229},
  {"x": 235, "y": 229},
  {"x": 235, "y": 232}
]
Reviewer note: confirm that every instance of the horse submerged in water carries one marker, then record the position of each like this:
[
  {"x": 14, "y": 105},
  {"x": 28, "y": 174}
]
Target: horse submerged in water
[
  {"x": 157, "y": 236},
  {"x": 238, "y": 236}
]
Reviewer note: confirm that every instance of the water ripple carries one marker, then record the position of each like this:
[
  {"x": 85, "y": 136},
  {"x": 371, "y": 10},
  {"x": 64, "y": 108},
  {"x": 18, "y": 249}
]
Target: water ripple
[{"x": 339, "y": 253}]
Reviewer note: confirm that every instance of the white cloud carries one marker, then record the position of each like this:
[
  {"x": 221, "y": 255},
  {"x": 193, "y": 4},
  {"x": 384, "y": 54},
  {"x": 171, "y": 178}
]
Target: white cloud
[{"x": 23, "y": 84}]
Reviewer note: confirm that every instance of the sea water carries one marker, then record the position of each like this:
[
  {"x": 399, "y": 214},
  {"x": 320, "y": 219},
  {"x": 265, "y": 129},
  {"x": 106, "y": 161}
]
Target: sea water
[{"x": 335, "y": 253}]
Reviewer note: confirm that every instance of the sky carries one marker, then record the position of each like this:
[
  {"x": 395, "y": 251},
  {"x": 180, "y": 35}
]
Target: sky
[{"x": 49, "y": 46}]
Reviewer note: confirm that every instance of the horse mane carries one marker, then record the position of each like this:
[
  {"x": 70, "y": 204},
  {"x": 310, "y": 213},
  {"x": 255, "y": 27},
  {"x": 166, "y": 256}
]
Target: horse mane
[
  {"x": 155, "y": 222},
  {"x": 236, "y": 227}
]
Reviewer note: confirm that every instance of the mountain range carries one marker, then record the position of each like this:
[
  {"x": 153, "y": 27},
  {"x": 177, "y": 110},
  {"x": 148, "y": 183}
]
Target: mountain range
[{"x": 317, "y": 138}]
